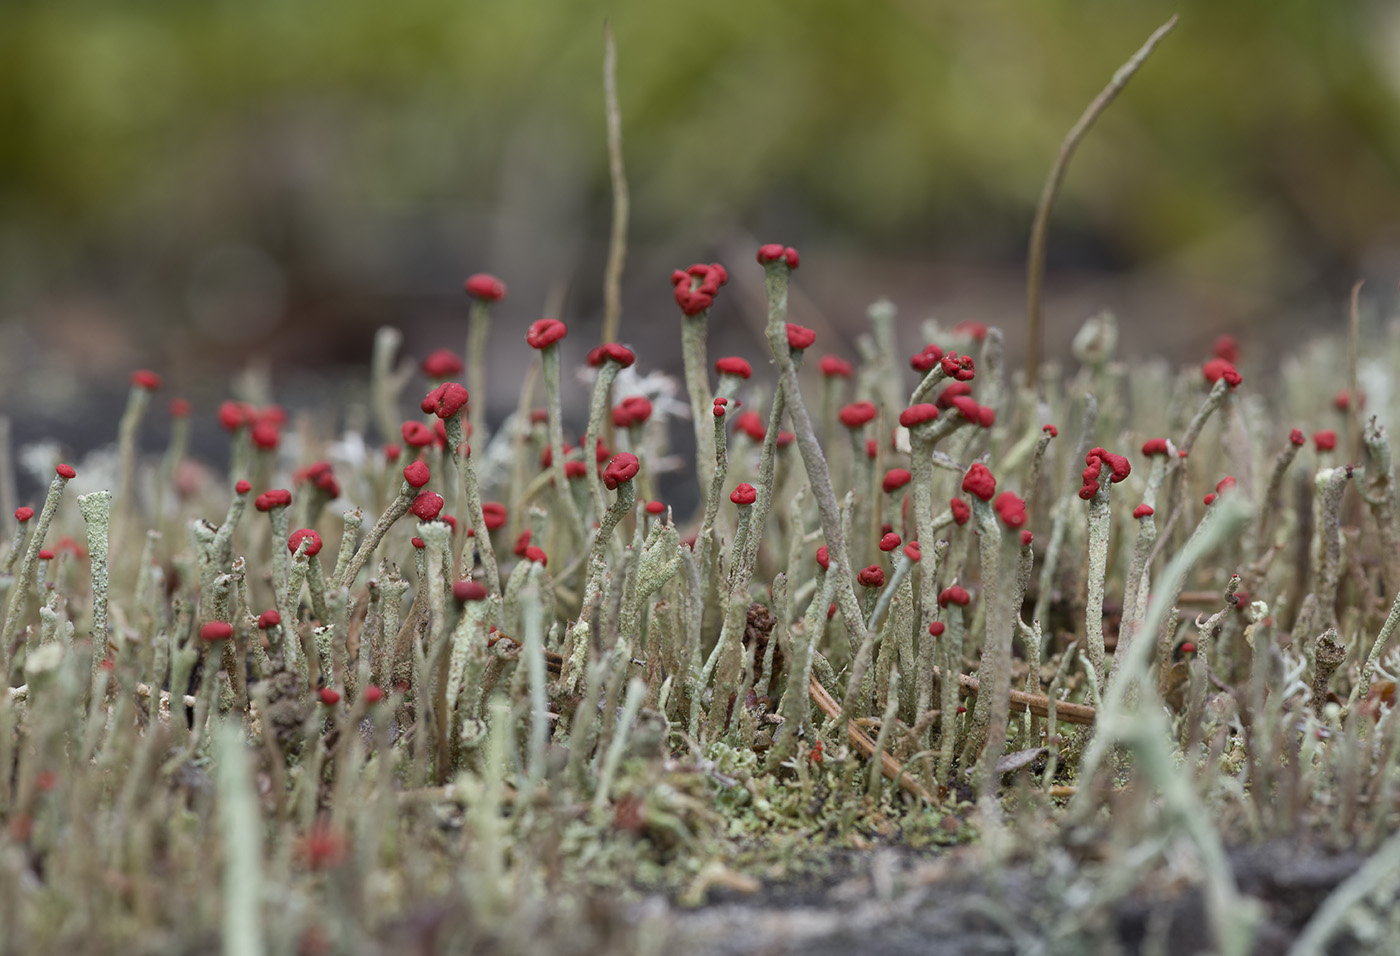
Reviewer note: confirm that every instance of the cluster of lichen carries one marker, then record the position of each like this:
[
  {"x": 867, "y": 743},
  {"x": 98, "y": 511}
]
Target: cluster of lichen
[{"x": 920, "y": 597}]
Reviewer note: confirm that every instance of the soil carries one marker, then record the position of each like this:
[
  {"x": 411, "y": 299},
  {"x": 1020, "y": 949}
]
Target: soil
[{"x": 894, "y": 902}]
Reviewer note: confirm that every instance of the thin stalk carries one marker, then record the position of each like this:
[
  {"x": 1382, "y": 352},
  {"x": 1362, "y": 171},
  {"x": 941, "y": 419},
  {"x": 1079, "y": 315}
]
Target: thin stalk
[{"x": 1035, "y": 257}]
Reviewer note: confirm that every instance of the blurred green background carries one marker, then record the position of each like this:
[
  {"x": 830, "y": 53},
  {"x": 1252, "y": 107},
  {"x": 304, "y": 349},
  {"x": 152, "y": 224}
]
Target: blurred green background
[{"x": 187, "y": 185}]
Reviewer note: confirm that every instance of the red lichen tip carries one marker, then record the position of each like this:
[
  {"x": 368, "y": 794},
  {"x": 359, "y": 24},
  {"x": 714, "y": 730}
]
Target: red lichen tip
[
  {"x": 750, "y": 424},
  {"x": 1188, "y": 647},
  {"x": 1325, "y": 440},
  {"x": 925, "y": 360},
  {"x": 1227, "y": 348},
  {"x": 833, "y": 366},
  {"x": 321, "y": 476},
  {"x": 1091, "y": 477},
  {"x": 890, "y": 541},
  {"x": 392, "y": 453},
  {"x": 1225, "y": 484},
  {"x": 1026, "y": 539},
  {"x": 180, "y": 408},
  {"x": 426, "y": 506},
  {"x": 872, "y": 448},
  {"x": 871, "y": 577},
  {"x": 1119, "y": 468},
  {"x": 65, "y": 472},
  {"x": 485, "y": 286},
  {"x": 329, "y": 696},
  {"x": 234, "y": 415},
  {"x": 446, "y": 400},
  {"x": 976, "y": 331},
  {"x": 545, "y": 332},
  {"x": 265, "y": 435},
  {"x": 575, "y": 469},
  {"x": 961, "y": 511},
  {"x": 418, "y": 542},
  {"x": 417, "y": 434},
  {"x": 656, "y": 507},
  {"x": 23, "y": 514},
  {"x": 959, "y": 367},
  {"x": 695, "y": 288},
  {"x": 857, "y": 414},
  {"x": 936, "y": 628},
  {"x": 1156, "y": 446},
  {"x": 744, "y": 494},
  {"x": 979, "y": 481},
  {"x": 373, "y": 694},
  {"x": 718, "y": 409},
  {"x": 1143, "y": 511},
  {"x": 268, "y": 619},
  {"x": 916, "y": 415},
  {"x": 416, "y": 473},
  {"x": 1297, "y": 437},
  {"x": 1217, "y": 368},
  {"x": 494, "y": 514},
  {"x": 1342, "y": 400},
  {"x": 1050, "y": 430},
  {"x": 621, "y": 354},
  {"x": 442, "y": 363},
  {"x": 799, "y": 337},
  {"x": 312, "y": 539},
  {"x": 971, "y": 411},
  {"x": 45, "y": 554},
  {"x": 1118, "y": 464},
  {"x": 536, "y": 555},
  {"x": 1011, "y": 508},
  {"x": 632, "y": 410},
  {"x": 950, "y": 392},
  {"x": 775, "y": 252},
  {"x": 623, "y": 467},
  {"x": 912, "y": 551},
  {"x": 468, "y": 590},
  {"x": 216, "y": 631},
  {"x": 786, "y": 438},
  {"x": 823, "y": 558},
  {"x": 274, "y": 498},
  {"x": 895, "y": 479},
  {"x": 243, "y": 487},
  {"x": 954, "y": 595},
  {"x": 1209, "y": 499},
  {"x": 145, "y": 379},
  {"x": 733, "y": 365}
]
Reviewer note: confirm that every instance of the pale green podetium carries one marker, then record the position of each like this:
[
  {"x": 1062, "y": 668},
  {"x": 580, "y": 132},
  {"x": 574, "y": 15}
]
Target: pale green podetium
[{"x": 96, "y": 508}]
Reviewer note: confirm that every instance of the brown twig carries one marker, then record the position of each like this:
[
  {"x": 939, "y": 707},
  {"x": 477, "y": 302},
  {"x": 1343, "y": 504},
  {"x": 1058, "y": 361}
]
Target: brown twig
[
  {"x": 1037, "y": 704},
  {"x": 1035, "y": 257},
  {"x": 888, "y": 765}
]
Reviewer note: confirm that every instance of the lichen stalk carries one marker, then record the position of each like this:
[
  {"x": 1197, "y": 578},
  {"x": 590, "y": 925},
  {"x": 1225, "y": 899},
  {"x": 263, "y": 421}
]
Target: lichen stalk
[
  {"x": 1099, "y": 517},
  {"x": 470, "y": 492},
  {"x": 137, "y": 400},
  {"x": 18, "y": 605},
  {"x": 96, "y": 509},
  {"x": 396, "y": 510},
  {"x": 478, "y": 335},
  {"x": 597, "y": 409},
  {"x": 818, "y": 475},
  {"x": 694, "y": 329},
  {"x": 1064, "y": 508},
  {"x": 549, "y": 360}
]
